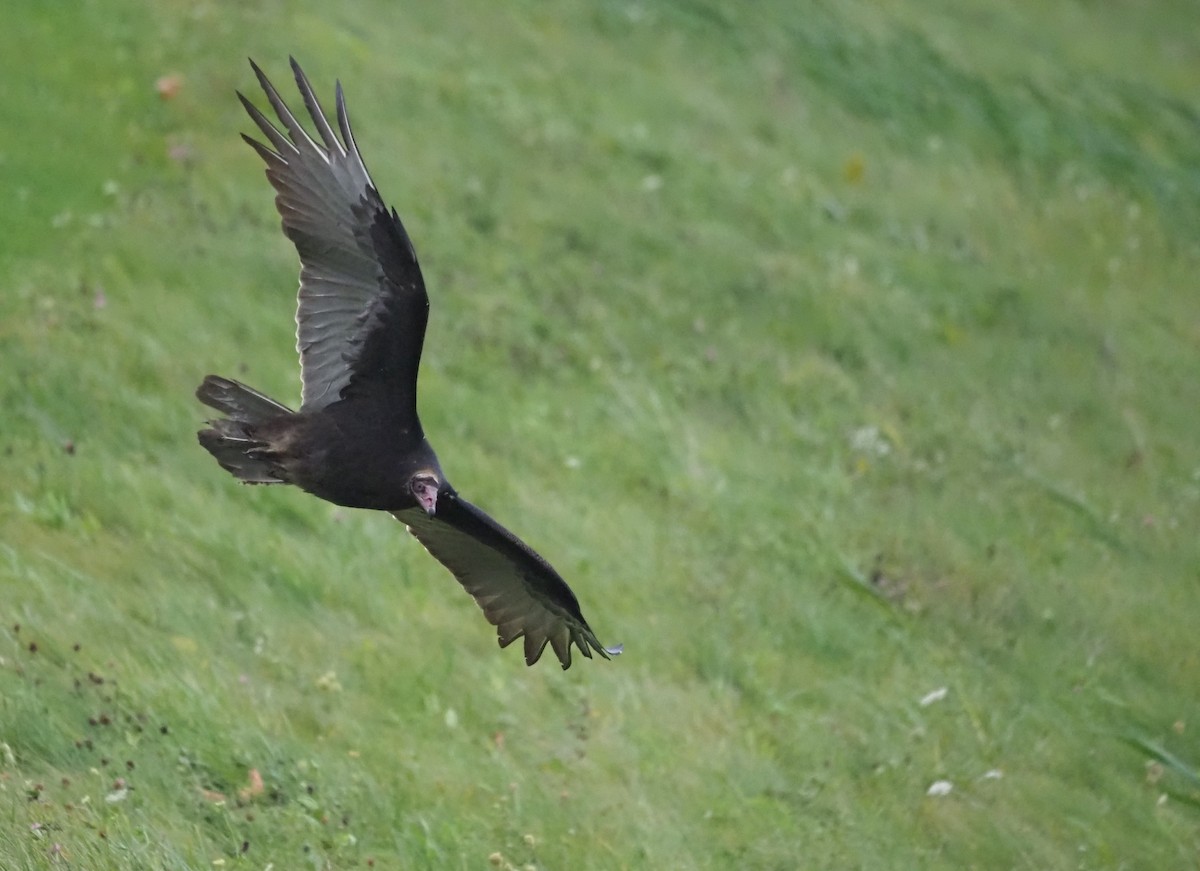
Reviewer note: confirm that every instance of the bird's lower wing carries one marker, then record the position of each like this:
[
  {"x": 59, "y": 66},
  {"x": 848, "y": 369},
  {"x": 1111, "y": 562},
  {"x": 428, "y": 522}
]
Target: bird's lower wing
[{"x": 519, "y": 592}]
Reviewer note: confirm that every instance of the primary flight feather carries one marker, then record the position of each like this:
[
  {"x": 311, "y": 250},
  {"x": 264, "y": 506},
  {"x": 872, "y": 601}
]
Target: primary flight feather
[{"x": 356, "y": 439}]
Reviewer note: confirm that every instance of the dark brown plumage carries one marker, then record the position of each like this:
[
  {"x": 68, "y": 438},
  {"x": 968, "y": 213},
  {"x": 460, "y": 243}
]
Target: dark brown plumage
[{"x": 356, "y": 439}]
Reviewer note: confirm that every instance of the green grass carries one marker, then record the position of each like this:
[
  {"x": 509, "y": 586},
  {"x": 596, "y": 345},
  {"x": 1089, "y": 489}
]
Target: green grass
[{"x": 835, "y": 354}]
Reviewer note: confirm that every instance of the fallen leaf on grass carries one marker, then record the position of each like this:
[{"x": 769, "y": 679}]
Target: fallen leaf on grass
[
  {"x": 854, "y": 169},
  {"x": 249, "y": 792},
  {"x": 168, "y": 86},
  {"x": 254, "y": 789}
]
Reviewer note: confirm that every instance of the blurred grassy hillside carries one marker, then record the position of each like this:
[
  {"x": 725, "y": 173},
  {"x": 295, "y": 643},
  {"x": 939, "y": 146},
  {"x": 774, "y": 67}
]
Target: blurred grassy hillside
[{"x": 843, "y": 357}]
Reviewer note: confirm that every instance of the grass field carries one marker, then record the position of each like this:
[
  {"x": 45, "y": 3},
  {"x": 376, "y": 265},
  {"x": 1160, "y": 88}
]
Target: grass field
[{"x": 843, "y": 357}]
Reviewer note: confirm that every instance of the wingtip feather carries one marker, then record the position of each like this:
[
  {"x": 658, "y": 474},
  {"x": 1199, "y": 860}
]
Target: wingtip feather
[
  {"x": 561, "y": 642},
  {"x": 285, "y": 115},
  {"x": 263, "y": 81},
  {"x": 313, "y": 105},
  {"x": 534, "y": 648},
  {"x": 281, "y": 142}
]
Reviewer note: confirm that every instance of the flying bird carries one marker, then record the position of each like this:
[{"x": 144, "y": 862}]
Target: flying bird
[{"x": 357, "y": 440}]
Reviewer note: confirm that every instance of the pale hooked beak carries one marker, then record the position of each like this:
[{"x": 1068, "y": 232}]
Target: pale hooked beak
[{"x": 425, "y": 491}]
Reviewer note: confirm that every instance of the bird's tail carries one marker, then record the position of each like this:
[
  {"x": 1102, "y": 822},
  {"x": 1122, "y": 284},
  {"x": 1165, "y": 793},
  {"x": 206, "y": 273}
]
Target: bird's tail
[{"x": 233, "y": 440}]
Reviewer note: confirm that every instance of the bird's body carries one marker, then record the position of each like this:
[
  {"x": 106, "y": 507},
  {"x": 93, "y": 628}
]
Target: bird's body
[
  {"x": 352, "y": 453},
  {"x": 356, "y": 440}
]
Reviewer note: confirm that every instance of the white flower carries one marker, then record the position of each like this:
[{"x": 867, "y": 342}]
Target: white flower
[
  {"x": 939, "y": 788},
  {"x": 869, "y": 440}
]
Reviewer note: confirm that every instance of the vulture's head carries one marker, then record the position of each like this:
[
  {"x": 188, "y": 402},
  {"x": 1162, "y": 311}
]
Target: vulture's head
[{"x": 424, "y": 487}]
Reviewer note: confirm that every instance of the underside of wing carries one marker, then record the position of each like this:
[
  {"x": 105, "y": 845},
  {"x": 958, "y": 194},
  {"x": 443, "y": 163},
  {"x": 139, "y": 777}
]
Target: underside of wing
[
  {"x": 362, "y": 304},
  {"x": 519, "y": 592}
]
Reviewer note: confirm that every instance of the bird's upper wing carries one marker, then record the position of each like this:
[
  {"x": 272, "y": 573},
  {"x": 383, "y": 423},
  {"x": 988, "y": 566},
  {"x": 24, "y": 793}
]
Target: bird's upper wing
[
  {"x": 362, "y": 310},
  {"x": 519, "y": 592}
]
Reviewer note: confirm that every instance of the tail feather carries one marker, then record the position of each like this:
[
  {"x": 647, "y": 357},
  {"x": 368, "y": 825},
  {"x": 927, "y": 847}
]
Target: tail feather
[
  {"x": 243, "y": 404},
  {"x": 233, "y": 440}
]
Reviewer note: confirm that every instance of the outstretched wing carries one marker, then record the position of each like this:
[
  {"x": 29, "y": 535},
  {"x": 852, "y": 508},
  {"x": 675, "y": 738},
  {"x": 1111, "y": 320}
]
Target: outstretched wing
[
  {"x": 519, "y": 592},
  {"x": 362, "y": 310}
]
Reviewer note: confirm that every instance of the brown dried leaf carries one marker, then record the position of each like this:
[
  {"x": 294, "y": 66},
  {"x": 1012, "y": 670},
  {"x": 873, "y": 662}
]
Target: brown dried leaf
[{"x": 168, "y": 86}]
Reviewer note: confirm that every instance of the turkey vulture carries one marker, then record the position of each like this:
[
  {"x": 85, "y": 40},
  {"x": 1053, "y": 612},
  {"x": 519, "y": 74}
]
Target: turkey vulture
[{"x": 357, "y": 440}]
